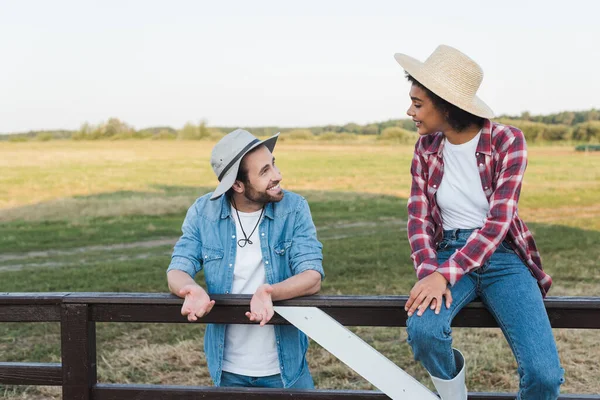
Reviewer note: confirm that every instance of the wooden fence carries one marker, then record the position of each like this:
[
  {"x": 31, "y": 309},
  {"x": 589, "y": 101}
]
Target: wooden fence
[{"x": 78, "y": 313}]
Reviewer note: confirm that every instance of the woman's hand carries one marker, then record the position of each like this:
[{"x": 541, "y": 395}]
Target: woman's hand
[{"x": 429, "y": 291}]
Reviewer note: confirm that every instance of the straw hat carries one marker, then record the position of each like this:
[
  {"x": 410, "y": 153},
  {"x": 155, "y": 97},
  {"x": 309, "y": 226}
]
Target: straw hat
[
  {"x": 451, "y": 75},
  {"x": 227, "y": 156}
]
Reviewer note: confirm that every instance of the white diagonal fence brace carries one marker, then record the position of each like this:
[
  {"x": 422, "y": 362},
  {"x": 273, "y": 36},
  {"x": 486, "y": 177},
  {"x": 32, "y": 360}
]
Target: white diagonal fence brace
[{"x": 356, "y": 353}]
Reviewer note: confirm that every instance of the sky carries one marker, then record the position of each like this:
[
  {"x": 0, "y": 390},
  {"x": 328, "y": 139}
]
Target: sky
[{"x": 283, "y": 63}]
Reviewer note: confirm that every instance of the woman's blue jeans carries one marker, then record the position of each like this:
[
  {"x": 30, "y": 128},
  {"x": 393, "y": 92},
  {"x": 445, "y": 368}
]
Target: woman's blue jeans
[{"x": 509, "y": 291}]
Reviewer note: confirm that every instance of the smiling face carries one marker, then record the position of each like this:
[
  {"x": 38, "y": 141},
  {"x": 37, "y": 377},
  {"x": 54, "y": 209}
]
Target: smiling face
[
  {"x": 427, "y": 117},
  {"x": 262, "y": 185}
]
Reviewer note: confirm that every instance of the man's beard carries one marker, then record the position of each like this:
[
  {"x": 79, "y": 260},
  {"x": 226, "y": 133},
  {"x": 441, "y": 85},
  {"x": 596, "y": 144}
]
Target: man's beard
[{"x": 261, "y": 197}]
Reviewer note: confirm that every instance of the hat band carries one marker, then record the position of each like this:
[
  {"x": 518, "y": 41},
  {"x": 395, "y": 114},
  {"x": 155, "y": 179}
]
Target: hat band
[{"x": 239, "y": 155}]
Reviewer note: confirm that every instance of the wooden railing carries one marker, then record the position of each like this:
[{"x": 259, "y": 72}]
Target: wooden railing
[{"x": 78, "y": 313}]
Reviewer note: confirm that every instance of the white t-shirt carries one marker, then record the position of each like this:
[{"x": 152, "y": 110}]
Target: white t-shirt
[
  {"x": 460, "y": 196},
  {"x": 249, "y": 349}
]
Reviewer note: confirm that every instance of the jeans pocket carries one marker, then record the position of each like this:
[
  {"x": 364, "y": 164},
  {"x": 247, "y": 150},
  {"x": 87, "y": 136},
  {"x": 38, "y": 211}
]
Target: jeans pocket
[{"x": 505, "y": 247}]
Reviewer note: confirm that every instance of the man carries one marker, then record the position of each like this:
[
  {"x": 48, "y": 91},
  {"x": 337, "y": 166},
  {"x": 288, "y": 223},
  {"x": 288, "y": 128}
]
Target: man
[{"x": 249, "y": 236}]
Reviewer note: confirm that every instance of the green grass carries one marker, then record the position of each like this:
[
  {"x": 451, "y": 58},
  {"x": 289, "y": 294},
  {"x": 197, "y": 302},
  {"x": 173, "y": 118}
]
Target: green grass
[{"x": 65, "y": 215}]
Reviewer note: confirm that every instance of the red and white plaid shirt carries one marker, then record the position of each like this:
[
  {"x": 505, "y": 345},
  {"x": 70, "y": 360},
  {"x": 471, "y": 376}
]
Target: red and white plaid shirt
[{"x": 502, "y": 158}]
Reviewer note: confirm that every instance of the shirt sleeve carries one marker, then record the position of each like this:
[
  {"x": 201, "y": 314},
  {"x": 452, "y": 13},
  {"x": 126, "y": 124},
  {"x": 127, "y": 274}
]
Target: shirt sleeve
[
  {"x": 306, "y": 252},
  {"x": 421, "y": 227},
  {"x": 187, "y": 254},
  {"x": 503, "y": 205}
]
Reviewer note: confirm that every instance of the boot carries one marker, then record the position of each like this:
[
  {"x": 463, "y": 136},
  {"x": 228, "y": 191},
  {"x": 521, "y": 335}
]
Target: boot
[{"x": 455, "y": 388}]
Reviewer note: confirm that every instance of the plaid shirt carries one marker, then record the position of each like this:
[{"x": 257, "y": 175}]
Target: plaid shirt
[{"x": 502, "y": 158}]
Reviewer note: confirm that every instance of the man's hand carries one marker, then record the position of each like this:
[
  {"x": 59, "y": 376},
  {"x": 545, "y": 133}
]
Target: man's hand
[
  {"x": 261, "y": 305},
  {"x": 197, "y": 303},
  {"x": 429, "y": 290}
]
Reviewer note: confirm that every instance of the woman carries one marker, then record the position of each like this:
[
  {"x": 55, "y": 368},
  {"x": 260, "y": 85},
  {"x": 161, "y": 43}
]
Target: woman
[{"x": 466, "y": 238}]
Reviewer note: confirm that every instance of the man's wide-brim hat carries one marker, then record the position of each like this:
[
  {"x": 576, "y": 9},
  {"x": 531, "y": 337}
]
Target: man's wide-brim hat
[
  {"x": 228, "y": 153},
  {"x": 451, "y": 75}
]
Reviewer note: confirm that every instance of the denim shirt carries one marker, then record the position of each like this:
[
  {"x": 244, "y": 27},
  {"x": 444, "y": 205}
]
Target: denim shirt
[{"x": 289, "y": 246}]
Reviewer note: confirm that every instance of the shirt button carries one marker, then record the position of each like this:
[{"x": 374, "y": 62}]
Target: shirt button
[
  {"x": 205, "y": 256},
  {"x": 227, "y": 292},
  {"x": 485, "y": 188},
  {"x": 233, "y": 236},
  {"x": 262, "y": 234},
  {"x": 230, "y": 265},
  {"x": 266, "y": 262},
  {"x": 481, "y": 165},
  {"x": 434, "y": 185}
]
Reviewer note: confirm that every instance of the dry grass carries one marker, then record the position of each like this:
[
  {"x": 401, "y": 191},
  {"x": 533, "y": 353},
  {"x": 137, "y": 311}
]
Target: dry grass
[{"x": 138, "y": 360}]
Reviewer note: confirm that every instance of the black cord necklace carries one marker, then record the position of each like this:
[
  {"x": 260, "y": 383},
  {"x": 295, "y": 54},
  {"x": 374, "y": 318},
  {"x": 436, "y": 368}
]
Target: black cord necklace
[{"x": 246, "y": 240}]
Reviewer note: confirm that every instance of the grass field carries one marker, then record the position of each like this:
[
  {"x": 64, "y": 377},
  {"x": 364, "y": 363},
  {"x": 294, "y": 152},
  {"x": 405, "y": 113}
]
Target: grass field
[{"x": 102, "y": 216}]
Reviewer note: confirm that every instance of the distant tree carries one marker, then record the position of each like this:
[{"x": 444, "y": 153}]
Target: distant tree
[
  {"x": 526, "y": 116},
  {"x": 194, "y": 132},
  {"x": 351, "y": 128},
  {"x": 371, "y": 129}
]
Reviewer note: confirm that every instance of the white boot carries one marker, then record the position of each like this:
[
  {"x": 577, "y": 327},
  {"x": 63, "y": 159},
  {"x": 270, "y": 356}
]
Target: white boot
[{"x": 455, "y": 388}]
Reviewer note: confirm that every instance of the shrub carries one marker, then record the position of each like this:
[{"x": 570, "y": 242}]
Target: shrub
[
  {"x": 587, "y": 132},
  {"x": 338, "y": 137},
  {"x": 194, "y": 132},
  {"x": 111, "y": 129},
  {"x": 538, "y": 131},
  {"x": 297, "y": 134},
  {"x": 18, "y": 139},
  {"x": 44, "y": 137},
  {"x": 556, "y": 132},
  {"x": 398, "y": 135},
  {"x": 165, "y": 135}
]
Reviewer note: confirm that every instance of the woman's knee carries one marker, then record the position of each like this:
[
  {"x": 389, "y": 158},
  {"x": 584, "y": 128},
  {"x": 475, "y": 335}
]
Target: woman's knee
[
  {"x": 427, "y": 329},
  {"x": 543, "y": 379}
]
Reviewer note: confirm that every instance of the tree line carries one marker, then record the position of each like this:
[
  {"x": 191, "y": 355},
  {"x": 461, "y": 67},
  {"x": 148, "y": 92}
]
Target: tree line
[{"x": 575, "y": 126}]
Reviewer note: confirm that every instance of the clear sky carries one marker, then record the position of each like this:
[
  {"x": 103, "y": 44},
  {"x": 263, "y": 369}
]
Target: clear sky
[{"x": 286, "y": 63}]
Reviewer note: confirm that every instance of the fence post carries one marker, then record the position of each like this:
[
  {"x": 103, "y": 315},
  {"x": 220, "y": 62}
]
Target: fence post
[{"x": 78, "y": 352}]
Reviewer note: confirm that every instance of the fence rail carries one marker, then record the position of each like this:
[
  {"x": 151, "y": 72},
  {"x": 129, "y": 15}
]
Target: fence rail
[{"x": 78, "y": 313}]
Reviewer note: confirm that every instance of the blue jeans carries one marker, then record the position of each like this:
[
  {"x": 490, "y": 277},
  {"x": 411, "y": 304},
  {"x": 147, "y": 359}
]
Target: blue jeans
[
  {"x": 511, "y": 294},
  {"x": 229, "y": 379}
]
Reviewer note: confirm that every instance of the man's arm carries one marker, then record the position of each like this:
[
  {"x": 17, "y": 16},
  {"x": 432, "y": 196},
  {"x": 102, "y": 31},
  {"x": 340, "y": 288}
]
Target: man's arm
[
  {"x": 261, "y": 304},
  {"x": 185, "y": 263},
  {"x": 304, "y": 284},
  {"x": 306, "y": 261}
]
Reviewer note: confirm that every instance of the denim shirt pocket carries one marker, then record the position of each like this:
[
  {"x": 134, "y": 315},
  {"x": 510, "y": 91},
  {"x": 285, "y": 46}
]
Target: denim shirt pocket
[
  {"x": 281, "y": 248},
  {"x": 212, "y": 261}
]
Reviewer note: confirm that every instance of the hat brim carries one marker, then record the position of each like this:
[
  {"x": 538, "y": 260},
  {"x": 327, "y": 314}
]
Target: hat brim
[
  {"x": 229, "y": 178},
  {"x": 414, "y": 68}
]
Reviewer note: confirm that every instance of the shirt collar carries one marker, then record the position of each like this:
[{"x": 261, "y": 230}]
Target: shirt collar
[
  {"x": 226, "y": 208},
  {"x": 484, "y": 146},
  {"x": 485, "y": 140}
]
